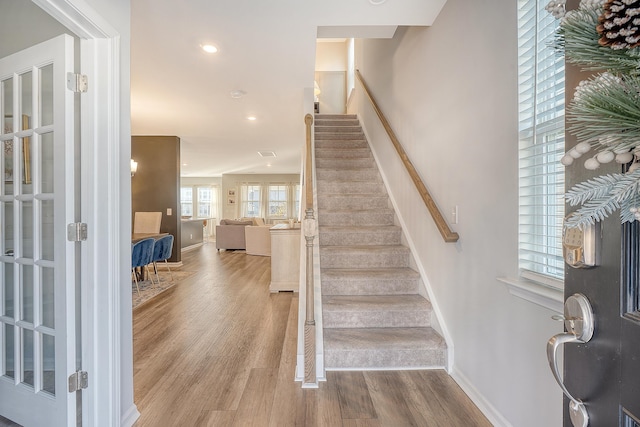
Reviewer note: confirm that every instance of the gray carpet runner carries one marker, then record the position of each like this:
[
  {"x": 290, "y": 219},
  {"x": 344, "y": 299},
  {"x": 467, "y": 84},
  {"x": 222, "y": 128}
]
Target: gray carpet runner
[{"x": 373, "y": 316}]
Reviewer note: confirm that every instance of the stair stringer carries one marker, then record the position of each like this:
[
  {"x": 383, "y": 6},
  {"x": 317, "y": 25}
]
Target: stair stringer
[{"x": 424, "y": 285}]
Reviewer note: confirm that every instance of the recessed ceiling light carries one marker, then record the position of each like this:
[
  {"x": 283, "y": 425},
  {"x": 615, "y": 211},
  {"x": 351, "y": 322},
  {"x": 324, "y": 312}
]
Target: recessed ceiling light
[
  {"x": 238, "y": 93},
  {"x": 268, "y": 165},
  {"x": 209, "y": 48},
  {"x": 251, "y": 118},
  {"x": 267, "y": 153}
]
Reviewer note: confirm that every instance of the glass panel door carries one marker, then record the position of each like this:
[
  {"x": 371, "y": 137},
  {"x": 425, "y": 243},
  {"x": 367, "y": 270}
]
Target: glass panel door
[{"x": 37, "y": 265}]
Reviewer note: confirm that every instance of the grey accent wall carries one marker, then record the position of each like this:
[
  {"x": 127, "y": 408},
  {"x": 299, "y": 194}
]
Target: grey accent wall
[{"x": 156, "y": 185}]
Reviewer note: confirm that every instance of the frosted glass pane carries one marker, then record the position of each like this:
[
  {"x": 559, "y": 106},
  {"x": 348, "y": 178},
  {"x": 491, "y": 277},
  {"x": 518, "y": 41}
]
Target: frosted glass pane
[
  {"x": 26, "y": 86},
  {"x": 26, "y": 154},
  {"x": 27, "y": 359},
  {"x": 46, "y": 162},
  {"x": 26, "y": 299},
  {"x": 47, "y": 230},
  {"x": 46, "y": 95},
  {"x": 7, "y": 228},
  {"x": 27, "y": 229},
  {"x": 7, "y": 287},
  {"x": 49, "y": 365},
  {"x": 7, "y": 166},
  {"x": 9, "y": 369},
  {"x": 48, "y": 298},
  {"x": 6, "y": 89}
]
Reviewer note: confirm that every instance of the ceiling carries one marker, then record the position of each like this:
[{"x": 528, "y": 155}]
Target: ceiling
[{"x": 265, "y": 49}]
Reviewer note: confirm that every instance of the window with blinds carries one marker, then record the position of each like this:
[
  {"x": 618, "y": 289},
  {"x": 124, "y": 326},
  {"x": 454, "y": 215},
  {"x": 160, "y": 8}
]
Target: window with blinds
[
  {"x": 250, "y": 203},
  {"x": 278, "y": 201},
  {"x": 541, "y": 143}
]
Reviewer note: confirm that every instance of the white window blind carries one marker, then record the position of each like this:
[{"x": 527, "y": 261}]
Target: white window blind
[
  {"x": 541, "y": 142},
  {"x": 278, "y": 201},
  {"x": 186, "y": 201},
  {"x": 251, "y": 197}
]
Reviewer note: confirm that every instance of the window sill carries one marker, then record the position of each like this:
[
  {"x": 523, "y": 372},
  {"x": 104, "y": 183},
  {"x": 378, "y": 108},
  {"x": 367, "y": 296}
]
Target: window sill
[{"x": 545, "y": 296}]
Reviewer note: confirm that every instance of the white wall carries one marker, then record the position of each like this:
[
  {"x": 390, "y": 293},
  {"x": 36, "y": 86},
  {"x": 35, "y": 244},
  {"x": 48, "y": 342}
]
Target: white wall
[
  {"x": 450, "y": 93},
  {"x": 331, "y": 56}
]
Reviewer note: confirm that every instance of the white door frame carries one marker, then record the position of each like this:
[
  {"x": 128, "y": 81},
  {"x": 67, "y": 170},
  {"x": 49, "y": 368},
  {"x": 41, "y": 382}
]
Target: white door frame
[{"x": 105, "y": 321}]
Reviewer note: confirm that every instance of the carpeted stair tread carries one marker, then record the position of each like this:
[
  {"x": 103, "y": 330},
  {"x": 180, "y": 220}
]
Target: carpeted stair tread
[
  {"x": 375, "y": 311},
  {"x": 341, "y": 143},
  {"x": 335, "y": 116},
  {"x": 351, "y": 187},
  {"x": 350, "y": 128},
  {"x": 380, "y": 217},
  {"x": 375, "y": 302},
  {"x": 378, "y": 256},
  {"x": 352, "y": 201},
  {"x": 332, "y": 135},
  {"x": 390, "y": 348},
  {"x": 360, "y": 235},
  {"x": 337, "y": 122},
  {"x": 343, "y": 153},
  {"x": 369, "y": 281},
  {"x": 348, "y": 175},
  {"x": 345, "y": 163}
]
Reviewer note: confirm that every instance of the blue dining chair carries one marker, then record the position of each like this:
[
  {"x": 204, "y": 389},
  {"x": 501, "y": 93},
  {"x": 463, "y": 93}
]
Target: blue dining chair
[
  {"x": 162, "y": 252},
  {"x": 141, "y": 254}
]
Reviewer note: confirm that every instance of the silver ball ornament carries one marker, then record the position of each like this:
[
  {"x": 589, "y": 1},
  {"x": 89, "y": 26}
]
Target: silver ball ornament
[
  {"x": 574, "y": 153},
  {"x": 591, "y": 164},
  {"x": 566, "y": 160},
  {"x": 623, "y": 158},
  {"x": 605, "y": 156},
  {"x": 583, "y": 147}
]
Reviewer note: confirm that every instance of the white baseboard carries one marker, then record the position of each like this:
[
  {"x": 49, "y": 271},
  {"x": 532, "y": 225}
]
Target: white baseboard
[
  {"x": 130, "y": 417},
  {"x": 489, "y": 411}
]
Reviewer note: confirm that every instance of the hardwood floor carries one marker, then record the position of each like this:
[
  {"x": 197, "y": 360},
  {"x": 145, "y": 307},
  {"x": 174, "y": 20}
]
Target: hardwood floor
[{"x": 220, "y": 350}]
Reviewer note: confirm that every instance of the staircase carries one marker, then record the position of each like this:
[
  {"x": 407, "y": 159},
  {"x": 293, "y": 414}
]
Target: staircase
[{"x": 373, "y": 316}]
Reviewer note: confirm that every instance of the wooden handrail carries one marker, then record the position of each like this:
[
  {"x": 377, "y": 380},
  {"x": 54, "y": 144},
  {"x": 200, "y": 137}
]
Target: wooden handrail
[{"x": 448, "y": 235}]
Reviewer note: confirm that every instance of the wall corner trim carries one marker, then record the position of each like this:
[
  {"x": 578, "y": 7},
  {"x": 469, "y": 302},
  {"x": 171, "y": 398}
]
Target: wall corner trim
[{"x": 544, "y": 296}]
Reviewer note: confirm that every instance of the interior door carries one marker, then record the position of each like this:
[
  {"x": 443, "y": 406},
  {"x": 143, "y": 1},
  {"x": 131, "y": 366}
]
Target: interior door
[
  {"x": 604, "y": 372},
  {"x": 37, "y": 263}
]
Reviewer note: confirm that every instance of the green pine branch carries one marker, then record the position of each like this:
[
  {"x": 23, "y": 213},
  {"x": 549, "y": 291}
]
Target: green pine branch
[
  {"x": 601, "y": 196},
  {"x": 577, "y": 38},
  {"x": 607, "y": 108},
  {"x": 595, "y": 188}
]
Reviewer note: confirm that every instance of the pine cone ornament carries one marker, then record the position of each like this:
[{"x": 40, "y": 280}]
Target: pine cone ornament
[{"x": 619, "y": 25}]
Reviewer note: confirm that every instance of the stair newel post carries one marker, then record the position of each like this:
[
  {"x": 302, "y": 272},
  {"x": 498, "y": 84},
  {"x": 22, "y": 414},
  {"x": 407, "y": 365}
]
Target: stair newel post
[{"x": 310, "y": 231}]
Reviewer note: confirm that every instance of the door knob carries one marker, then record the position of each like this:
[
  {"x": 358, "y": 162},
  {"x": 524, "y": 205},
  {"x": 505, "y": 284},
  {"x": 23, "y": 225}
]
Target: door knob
[{"x": 580, "y": 325}]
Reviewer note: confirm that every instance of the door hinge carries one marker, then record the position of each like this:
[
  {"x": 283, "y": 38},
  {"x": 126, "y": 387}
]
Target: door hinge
[
  {"x": 78, "y": 381},
  {"x": 77, "y": 232},
  {"x": 77, "y": 82}
]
